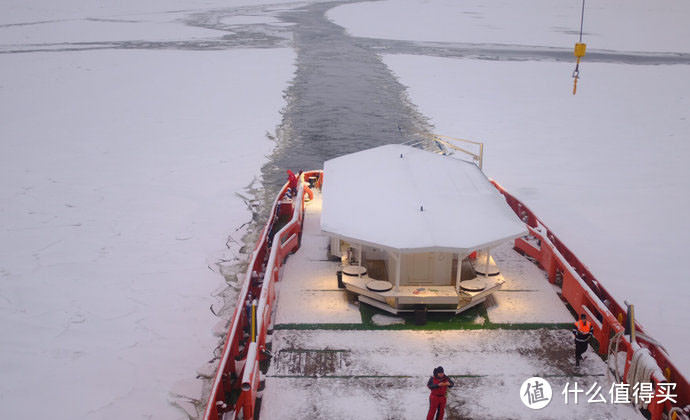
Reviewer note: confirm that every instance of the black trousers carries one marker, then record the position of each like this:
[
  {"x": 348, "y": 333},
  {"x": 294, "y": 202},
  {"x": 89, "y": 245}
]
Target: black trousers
[{"x": 580, "y": 348}]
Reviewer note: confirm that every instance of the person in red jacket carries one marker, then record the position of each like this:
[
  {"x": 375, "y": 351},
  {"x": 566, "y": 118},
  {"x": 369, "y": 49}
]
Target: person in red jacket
[{"x": 438, "y": 384}]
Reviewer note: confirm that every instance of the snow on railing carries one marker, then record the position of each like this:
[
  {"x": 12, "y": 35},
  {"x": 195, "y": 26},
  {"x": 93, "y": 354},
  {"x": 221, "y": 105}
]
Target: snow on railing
[
  {"x": 238, "y": 370},
  {"x": 446, "y": 145},
  {"x": 586, "y": 295}
]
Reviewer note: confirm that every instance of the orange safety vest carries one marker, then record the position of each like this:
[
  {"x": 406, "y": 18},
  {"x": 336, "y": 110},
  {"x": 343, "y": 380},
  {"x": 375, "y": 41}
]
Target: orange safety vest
[{"x": 583, "y": 327}]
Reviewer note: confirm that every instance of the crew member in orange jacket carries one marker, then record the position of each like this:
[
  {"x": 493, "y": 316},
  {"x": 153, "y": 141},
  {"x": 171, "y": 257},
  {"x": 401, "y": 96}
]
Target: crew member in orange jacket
[
  {"x": 582, "y": 332},
  {"x": 438, "y": 384}
]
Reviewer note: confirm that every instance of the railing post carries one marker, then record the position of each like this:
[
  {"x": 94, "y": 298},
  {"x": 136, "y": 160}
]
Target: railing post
[{"x": 481, "y": 156}]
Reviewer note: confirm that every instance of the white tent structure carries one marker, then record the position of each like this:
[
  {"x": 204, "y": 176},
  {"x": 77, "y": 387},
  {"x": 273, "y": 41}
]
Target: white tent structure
[
  {"x": 410, "y": 200},
  {"x": 414, "y": 205}
]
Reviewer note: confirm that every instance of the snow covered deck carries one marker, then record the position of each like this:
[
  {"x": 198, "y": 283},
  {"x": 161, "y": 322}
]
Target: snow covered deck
[
  {"x": 382, "y": 374},
  {"x": 526, "y": 295},
  {"x": 308, "y": 289}
]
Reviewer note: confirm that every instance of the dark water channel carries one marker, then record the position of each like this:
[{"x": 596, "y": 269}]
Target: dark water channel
[{"x": 343, "y": 99}]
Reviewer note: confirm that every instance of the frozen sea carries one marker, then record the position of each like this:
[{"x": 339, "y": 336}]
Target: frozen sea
[
  {"x": 128, "y": 129},
  {"x": 133, "y": 135}
]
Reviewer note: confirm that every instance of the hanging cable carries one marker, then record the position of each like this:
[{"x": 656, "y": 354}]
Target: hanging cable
[
  {"x": 582, "y": 19},
  {"x": 579, "y": 50}
]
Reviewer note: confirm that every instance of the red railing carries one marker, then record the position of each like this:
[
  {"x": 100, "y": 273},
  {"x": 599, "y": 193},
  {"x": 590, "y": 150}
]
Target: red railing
[
  {"x": 586, "y": 295},
  {"x": 238, "y": 371}
]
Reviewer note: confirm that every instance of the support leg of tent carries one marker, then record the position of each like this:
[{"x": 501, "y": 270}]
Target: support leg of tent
[
  {"x": 457, "y": 275},
  {"x": 486, "y": 265},
  {"x": 397, "y": 272}
]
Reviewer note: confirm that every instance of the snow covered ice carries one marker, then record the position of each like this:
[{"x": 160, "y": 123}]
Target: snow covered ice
[
  {"x": 128, "y": 128},
  {"x": 609, "y": 25}
]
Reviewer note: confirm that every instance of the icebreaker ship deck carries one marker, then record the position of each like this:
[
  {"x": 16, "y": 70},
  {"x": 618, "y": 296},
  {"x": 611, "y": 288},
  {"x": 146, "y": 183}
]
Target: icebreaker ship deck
[{"x": 342, "y": 322}]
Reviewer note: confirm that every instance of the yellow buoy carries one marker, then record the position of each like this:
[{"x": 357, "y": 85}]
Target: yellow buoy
[{"x": 580, "y": 49}]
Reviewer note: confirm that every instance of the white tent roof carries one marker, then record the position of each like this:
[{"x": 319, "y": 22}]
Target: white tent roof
[{"x": 375, "y": 197}]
